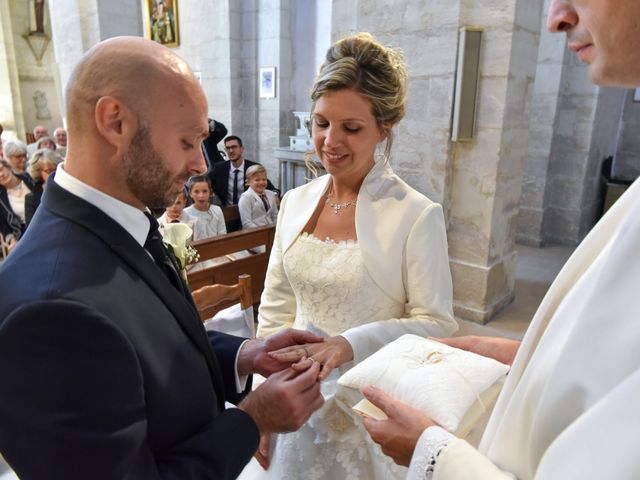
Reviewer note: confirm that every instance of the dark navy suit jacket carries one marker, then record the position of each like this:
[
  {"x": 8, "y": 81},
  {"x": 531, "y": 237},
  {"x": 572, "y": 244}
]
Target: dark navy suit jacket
[{"x": 105, "y": 369}]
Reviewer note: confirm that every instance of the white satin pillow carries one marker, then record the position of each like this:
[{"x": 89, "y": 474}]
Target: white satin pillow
[{"x": 440, "y": 380}]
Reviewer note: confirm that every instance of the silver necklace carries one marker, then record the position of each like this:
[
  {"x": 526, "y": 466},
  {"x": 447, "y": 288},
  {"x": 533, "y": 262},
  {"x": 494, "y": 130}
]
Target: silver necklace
[{"x": 339, "y": 206}]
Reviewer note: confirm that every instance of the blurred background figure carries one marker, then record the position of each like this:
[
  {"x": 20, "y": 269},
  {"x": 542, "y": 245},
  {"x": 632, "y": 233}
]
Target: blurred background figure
[
  {"x": 16, "y": 153},
  {"x": 38, "y": 132},
  {"x": 14, "y": 187},
  {"x": 60, "y": 136},
  {"x": 43, "y": 164}
]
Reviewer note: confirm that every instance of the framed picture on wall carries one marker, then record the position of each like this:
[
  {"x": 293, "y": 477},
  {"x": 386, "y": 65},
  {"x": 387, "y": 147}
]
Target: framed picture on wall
[
  {"x": 636, "y": 95},
  {"x": 267, "y": 82},
  {"x": 160, "y": 18}
]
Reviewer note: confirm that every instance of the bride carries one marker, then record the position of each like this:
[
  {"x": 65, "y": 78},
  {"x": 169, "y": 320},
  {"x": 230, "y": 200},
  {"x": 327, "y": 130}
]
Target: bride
[{"x": 359, "y": 257}]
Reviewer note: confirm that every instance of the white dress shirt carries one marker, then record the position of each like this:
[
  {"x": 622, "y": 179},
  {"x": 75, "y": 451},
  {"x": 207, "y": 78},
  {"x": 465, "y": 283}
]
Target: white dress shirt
[{"x": 232, "y": 169}]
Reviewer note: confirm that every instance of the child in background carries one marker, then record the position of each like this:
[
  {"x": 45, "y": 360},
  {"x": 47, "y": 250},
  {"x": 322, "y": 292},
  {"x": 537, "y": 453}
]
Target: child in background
[
  {"x": 176, "y": 214},
  {"x": 210, "y": 221},
  {"x": 257, "y": 206}
]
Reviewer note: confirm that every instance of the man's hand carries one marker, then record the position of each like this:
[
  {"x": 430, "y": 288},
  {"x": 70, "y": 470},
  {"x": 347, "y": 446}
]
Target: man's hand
[
  {"x": 254, "y": 357},
  {"x": 399, "y": 434},
  {"x": 285, "y": 401},
  {"x": 331, "y": 353},
  {"x": 501, "y": 349}
]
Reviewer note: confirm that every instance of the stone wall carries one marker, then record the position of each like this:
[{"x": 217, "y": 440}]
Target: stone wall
[
  {"x": 627, "y": 158},
  {"x": 10, "y": 96},
  {"x": 33, "y": 93},
  {"x": 487, "y": 173}
]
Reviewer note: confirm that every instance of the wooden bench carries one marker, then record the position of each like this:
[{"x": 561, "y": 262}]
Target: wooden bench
[
  {"x": 232, "y": 218},
  {"x": 227, "y": 265}
]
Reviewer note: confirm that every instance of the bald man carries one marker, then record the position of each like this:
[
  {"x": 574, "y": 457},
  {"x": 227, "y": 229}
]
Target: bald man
[
  {"x": 569, "y": 407},
  {"x": 39, "y": 132},
  {"x": 105, "y": 369},
  {"x": 60, "y": 137}
]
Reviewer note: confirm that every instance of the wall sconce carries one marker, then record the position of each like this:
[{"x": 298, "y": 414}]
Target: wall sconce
[
  {"x": 466, "y": 87},
  {"x": 38, "y": 43}
]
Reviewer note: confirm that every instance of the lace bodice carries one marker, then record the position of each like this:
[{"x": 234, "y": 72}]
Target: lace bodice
[{"x": 333, "y": 289}]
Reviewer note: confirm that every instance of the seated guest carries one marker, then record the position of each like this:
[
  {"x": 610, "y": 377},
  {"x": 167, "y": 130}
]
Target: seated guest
[
  {"x": 13, "y": 189},
  {"x": 46, "y": 142},
  {"x": 257, "y": 205},
  {"x": 210, "y": 221},
  {"x": 16, "y": 153},
  {"x": 176, "y": 214},
  {"x": 43, "y": 163},
  {"x": 60, "y": 135},
  {"x": 228, "y": 178},
  {"x": 38, "y": 132}
]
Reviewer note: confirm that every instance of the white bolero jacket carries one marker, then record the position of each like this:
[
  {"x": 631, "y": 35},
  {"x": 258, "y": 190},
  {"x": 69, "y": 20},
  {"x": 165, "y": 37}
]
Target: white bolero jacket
[{"x": 402, "y": 239}]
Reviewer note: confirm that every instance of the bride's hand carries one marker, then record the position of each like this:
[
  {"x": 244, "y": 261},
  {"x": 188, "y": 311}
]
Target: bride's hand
[
  {"x": 262, "y": 455},
  {"x": 331, "y": 353}
]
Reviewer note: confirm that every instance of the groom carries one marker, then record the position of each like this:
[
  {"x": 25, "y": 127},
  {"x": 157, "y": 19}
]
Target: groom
[{"x": 105, "y": 370}]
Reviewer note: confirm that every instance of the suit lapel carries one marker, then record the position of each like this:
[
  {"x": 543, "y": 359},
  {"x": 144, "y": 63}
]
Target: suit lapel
[{"x": 78, "y": 211}]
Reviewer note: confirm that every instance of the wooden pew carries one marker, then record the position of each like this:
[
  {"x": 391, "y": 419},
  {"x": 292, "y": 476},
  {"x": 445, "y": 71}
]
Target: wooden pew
[
  {"x": 232, "y": 218},
  {"x": 226, "y": 270}
]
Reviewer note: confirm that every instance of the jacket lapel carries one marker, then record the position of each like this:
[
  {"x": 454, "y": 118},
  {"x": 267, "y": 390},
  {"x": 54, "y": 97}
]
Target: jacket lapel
[{"x": 93, "y": 219}]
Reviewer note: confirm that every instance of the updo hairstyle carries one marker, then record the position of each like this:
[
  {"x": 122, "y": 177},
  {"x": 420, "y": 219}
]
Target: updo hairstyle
[{"x": 376, "y": 72}]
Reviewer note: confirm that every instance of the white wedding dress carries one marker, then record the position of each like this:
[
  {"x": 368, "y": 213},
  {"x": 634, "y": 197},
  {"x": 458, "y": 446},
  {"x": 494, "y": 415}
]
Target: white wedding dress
[{"x": 334, "y": 292}]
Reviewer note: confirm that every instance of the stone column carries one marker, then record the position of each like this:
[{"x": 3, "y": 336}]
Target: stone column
[
  {"x": 427, "y": 36},
  {"x": 573, "y": 128},
  {"x": 627, "y": 158},
  {"x": 275, "y": 121},
  {"x": 75, "y": 28},
  {"x": 487, "y": 173},
  {"x": 11, "y": 116}
]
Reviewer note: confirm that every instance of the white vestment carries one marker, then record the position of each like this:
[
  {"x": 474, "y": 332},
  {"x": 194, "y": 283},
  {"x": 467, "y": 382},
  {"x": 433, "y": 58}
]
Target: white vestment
[{"x": 569, "y": 408}]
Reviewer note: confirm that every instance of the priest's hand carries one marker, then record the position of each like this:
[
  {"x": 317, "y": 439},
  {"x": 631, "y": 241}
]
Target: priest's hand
[
  {"x": 331, "y": 353},
  {"x": 254, "y": 355},
  {"x": 501, "y": 349},
  {"x": 398, "y": 434}
]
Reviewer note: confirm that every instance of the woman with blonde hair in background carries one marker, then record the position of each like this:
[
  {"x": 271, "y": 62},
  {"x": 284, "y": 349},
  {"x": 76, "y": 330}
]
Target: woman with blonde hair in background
[{"x": 359, "y": 258}]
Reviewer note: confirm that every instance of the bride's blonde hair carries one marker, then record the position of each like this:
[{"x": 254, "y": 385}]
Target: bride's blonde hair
[{"x": 376, "y": 72}]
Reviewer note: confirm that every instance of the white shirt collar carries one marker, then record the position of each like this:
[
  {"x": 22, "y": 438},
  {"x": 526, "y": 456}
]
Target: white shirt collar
[
  {"x": 239, "y": 167},
  {"x": 128, "y": 217}
]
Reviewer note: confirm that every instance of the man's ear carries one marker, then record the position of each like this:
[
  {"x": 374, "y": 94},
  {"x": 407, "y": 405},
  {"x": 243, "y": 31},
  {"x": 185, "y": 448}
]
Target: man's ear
[{"x": 115, "y": 122}]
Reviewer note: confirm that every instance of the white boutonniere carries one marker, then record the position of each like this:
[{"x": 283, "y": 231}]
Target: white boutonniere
[{"x": 175, "y": 236}]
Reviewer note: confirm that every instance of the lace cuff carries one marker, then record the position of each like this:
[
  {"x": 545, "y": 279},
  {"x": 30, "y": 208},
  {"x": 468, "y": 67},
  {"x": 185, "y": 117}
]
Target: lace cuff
[{"x": 429, "y": 446}]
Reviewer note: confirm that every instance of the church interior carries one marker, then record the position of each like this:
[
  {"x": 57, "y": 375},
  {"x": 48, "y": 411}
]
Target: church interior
[{"x": 523, "y": 153}]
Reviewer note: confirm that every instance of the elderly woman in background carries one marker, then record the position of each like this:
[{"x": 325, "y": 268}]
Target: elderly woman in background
[
  {"x": 13, "y": 190},
  {"x": 43, "y": 163},
  {"x": 359, "y": 257},
  {"x": 16, "y": 153}
]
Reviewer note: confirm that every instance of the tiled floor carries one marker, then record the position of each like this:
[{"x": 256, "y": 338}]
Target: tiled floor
[{"x": 536, "y": 269}]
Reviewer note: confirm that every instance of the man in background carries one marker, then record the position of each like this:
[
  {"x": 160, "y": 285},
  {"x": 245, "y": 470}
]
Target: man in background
[
  {"x": 38, "y": 132},
  {"x": 60, "y": 137},
  {"x": 228, "y": 178}
]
